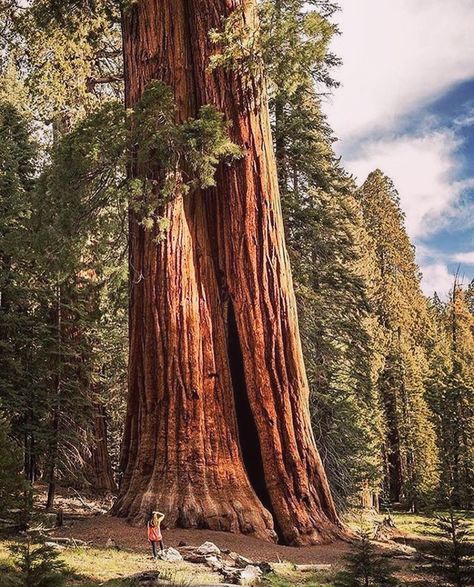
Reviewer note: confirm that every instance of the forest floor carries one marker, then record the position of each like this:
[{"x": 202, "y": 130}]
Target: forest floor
[{"x": 101, "y": 562}]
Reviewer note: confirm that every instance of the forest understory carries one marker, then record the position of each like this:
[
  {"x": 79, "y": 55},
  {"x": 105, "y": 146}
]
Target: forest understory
[{"x": 104, "y": 550}]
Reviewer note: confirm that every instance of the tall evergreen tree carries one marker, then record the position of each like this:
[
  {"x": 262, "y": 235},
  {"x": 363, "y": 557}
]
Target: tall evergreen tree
[
  {"x": 401, "y": 309},
  {"x": 69, "y": 58},
  {"x": 326, "y": 243},
  {"x": 451, "y": 393},
  {"x": 20, "y": 329}
]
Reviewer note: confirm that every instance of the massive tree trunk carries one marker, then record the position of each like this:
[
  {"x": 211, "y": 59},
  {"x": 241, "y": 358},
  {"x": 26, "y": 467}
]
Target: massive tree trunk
[{"x": 217, "y": 432}]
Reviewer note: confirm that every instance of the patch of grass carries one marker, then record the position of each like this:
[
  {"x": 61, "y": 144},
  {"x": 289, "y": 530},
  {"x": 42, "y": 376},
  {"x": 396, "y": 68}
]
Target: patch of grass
[
  {"x": 419, "y": 524},
  {"x": 90, "y": 567},
  {"x": 422, "y": 523},
  {"x": 286, "y": 575}
]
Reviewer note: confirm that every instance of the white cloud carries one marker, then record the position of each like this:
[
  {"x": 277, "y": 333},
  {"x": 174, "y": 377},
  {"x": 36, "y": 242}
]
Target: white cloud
[
  {"x": 436, "y": 278},
  {"x": 439, "y": 269},
  {"x": 467, "y": 258},
  {"x": 422, "y": 168},
  {"x": 466, "y": 119},
  {"x": 397, "y": 54}
]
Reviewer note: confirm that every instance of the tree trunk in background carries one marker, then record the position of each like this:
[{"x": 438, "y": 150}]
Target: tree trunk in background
[
  {"x": 98, "y": 467},
  {"x": 394, "y": 478},
  {"x": 217, "y": 432}
]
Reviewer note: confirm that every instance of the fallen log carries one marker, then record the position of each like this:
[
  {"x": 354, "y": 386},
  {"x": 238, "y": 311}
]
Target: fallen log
[
  {"x": 66, "y": 540},
  {"x": 154, "y": 576},
  {"x": 313, "y": 568}
]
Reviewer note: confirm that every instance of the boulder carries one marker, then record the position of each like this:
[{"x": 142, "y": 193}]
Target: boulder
[
  {"x": 242, "y": 561},
  {"x": 170, "y": 555},
  {"x": 192, "y": 557},
  {"x": 208, "y": 548},
  {"x": 231, "y": 574},
  {"x": 250, "y": 575},
  {"x": 213, "y": 562}
]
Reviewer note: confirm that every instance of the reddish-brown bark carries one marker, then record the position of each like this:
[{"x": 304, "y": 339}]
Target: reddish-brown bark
[
  {"x": 98, "y": 467},
  {"x": 217, "y": 431}
]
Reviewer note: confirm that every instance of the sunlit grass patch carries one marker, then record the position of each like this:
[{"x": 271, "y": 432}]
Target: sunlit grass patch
[
  {"x": 422, "y": 523},
  {"x": 92, "y": 566},
  {"x": 287, "y": 575}
]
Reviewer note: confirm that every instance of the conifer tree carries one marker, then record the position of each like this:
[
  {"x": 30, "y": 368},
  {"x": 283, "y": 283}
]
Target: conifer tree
[
  {"x": 325, "y": 238},
  {"x": 22, "y": 401},
  {"x": 401, "y": 309},
  {"x": 69, "y": 60},
  {"x": 451, "y": 393},
  {"x": 12, "y": 483},
  {"x": 366, "y": 568},
  {"x": 35, "y": 565},
  {"x": 454, "y": 554}
]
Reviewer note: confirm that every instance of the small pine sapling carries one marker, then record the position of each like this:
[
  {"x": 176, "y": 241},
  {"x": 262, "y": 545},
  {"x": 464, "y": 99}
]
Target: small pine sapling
[
  {"x": 365, "y": 567},
  {"x": 12, "y": 484},
  {"x": 36, "y": 565},
  {"x": 454, "y": 555}
]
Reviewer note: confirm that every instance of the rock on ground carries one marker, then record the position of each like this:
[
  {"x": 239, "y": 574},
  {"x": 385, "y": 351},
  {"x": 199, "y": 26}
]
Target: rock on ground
[
  {"x": 208, "y": 548},
  {"x": 250, "y": 575},
  {"x": 170, "y": 555}
]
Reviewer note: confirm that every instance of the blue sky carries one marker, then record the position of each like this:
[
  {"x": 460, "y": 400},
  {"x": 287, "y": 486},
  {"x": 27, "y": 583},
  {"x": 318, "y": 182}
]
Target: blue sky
[{"x": 406, "y": 106}]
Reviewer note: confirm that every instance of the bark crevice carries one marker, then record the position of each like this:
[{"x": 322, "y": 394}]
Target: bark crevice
[{"x": 249, "y": 442}]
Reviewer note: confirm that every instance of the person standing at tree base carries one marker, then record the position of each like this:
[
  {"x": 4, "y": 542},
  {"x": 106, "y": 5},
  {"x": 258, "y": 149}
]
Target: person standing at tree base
[{"x": 154, "y": 531}]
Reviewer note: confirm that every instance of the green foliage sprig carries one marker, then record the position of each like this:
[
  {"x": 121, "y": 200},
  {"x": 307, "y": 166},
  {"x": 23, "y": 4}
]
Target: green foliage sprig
[
  {"x": 88, "y": 168},
  {"x": 173, "y": 158}
]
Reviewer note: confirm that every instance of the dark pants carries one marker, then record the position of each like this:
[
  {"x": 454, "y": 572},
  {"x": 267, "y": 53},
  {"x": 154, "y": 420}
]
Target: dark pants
[{"x": 153, "y": 547}]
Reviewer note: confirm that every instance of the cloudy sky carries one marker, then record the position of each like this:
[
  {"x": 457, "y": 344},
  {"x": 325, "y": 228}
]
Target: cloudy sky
[{"x": 406, "y": 106}]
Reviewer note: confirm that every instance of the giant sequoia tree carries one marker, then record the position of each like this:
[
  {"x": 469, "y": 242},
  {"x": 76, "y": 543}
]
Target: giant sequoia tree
[{"x": 217, "y": 432}]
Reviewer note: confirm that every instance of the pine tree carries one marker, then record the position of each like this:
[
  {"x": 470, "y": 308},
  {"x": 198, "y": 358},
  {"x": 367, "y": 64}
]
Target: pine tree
[
  {"x": 36, "y": 565},
  {"x": 365, "y": 567},
  {"x": 69, "y": 60},
  {"x": 454, "y": 556},
  {"x": 452, "y": 396},
  {"x": 402, "y": 312},
  {"x": 325, "y": 238},
  {"x": 12, "y": 484},
  {"x": 22, "y": 401}
]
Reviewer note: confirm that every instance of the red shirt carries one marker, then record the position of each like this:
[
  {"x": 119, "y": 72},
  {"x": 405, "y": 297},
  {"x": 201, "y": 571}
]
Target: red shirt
[{"x": 154, "y": 533}]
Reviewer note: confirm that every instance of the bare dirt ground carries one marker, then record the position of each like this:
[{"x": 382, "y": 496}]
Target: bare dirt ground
[
  {"x": 98, "y": 529},
  {"x": 86, "y": 519}
]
